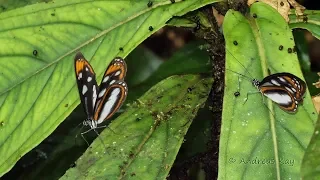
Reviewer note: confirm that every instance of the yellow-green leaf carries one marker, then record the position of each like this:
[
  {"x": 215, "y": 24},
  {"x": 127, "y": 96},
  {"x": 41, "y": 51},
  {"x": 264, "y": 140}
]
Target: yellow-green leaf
[
  {"x": 258, "y": 139},
  {"x": 38, "y": 44}
]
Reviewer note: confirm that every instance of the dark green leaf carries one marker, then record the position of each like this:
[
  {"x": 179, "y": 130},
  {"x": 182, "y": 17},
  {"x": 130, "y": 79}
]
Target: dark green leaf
[
  {"x": 303, "y": 55},
  {"x": 190, "y": 59},
  {"x": 148, "y": 135},
  {"x": 309, "y": 21},
  {"x": 141, "y": 64}
]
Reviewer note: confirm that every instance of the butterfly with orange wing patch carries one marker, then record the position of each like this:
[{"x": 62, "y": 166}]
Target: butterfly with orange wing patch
[{"x": 100, "y": 103}]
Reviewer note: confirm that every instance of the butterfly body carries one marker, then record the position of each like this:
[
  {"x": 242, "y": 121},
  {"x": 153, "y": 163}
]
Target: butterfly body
[
  {"x": 285, "y": 89},
  {"x": 100, "y": 103}
]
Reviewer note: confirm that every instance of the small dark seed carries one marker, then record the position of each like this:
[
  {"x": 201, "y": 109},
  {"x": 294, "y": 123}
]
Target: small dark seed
[
  {"x": 120, "y": 48},
  {"x": 35, "y": 52},
  {"x": 150, "y": 28},
  {"x": 254, "y": 15},
  {"x": 172, "y": 1},
  {"x": 280, "y": 47},
  {"x": 236, "y": 94},
  {"x": 149, "y": 3},
  {"x": 289, "y": 50},
  {"x": 281, "y": 3},
  {"x": 235, "y": 43}
]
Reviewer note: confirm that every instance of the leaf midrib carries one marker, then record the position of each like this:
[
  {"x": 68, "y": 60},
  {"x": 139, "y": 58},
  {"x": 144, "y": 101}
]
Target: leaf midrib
[{"x": 264, "y": 66}]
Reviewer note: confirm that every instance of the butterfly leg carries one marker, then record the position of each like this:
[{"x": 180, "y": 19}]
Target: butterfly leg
[
  {"x": 238, "y": 90},
  {"x": 112, "y": 130},
  {"x": 239, "y": 83},
  {"x": 237, "y": 93},
  {"x": 97, "y": 135},
  {"x": 85, "y": 138},
  {"x": 75, "y": 138},
  {"x": 250, "y": 93},
  {"x": 104, "y": 146},
  {"x": 105, "y": 126}
]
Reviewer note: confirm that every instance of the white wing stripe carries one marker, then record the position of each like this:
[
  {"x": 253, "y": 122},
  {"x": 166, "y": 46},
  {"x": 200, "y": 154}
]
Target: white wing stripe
[
  {"x": 279, "y": 98},
  {"x": 117, "y": 73},
  {"x": 101, "y": 93},
  {"x": 109, "y": 105},
  {"x": 113, "y": 81},
  {"x": 275, "y": 82},
  {"x": 80, "y": 76},
  {"x": 105, "y": 79},
  {"x": 84, "y": 89},
  {"x": 289, "y": 89},
  {"x": 94, "y": 95},
  {"x": 89, "y": 79}
]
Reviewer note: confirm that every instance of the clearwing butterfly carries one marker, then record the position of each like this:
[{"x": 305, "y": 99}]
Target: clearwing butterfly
[
  {"x": 100, "y": 103},
  {"x": 284, "y": 88}
]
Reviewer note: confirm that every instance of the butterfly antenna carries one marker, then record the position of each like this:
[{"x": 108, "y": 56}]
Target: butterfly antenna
[
  {"x": 250, "y": 79},
  {"x": 240, "y": 64},
  {"x": 78, "y": 126},
  {"x": 75, "y": 138}
]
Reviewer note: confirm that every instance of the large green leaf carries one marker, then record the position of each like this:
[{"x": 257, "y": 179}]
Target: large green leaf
[
  {"x": 258, "y": 139},
  {"x": 310, "y": 168},
  {"x": 193, "y": 59},
  {"x": 148, "y": 135},
  {"x": 38, "y": 43},
  {"x": 310, "y": 21},
  {"x": 6, "y": 5}
]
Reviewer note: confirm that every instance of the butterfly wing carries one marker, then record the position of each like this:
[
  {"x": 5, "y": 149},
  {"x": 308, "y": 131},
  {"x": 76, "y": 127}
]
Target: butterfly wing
[
  {"x": 285, "y": 89},
  {"x": 87, "y": 84},
  {"x": 282, "y": 97},
  {"x": 295, "y": 84},
  {"x": 110, "y": 101},
  {"x": 116, "y": 70},
  {"x": 290, "y": 82},
  {"x": 113, "y": 90}
]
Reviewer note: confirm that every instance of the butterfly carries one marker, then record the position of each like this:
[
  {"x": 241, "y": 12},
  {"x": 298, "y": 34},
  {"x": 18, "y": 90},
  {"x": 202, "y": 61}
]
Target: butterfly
[
  {"x": 100, "y": 103},
  {"x": 284, "y": 88}
]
